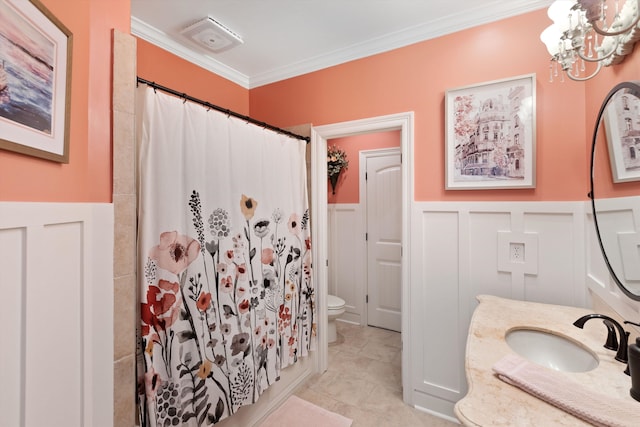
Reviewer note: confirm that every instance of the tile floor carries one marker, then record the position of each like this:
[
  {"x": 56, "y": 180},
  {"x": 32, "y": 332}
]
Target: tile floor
[{"x": 363, "y": 381}]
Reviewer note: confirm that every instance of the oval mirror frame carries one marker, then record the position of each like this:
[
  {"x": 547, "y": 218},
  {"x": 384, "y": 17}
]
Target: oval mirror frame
[{"x": 633, "y": 88}]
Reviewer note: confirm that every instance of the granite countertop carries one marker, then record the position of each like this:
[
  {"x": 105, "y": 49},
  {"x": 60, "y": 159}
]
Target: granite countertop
[{"x": 492, "y": 402}]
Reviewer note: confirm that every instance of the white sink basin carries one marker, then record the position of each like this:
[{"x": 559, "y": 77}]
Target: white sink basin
[{"x": 550, "y": 350}]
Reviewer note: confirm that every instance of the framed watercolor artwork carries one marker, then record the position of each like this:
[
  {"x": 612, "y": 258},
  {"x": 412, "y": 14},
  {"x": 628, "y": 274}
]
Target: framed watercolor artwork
[
  {"x": 490, "y": 136},
  {"x": 623, "y": 135},
  {"x": 35, "y": 81}
]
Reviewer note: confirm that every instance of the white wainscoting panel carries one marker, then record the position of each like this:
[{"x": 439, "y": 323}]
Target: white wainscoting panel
[
  {"x": 347, "y": 255},
  {"x": 437, "y": 351},
  {"x": 559, "y": 278},
  {"x": 532, "y": 251},
  {"x": 56, "y": 363},
  {"x": 616, "y": 216}
]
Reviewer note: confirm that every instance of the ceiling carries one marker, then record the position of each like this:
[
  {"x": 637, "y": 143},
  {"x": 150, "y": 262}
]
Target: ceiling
[{"x": 286, "y": 38}]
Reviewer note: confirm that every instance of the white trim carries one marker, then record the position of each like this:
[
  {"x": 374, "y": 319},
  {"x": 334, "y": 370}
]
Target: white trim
[
  {"x": 463, "y": 19},
  {"x": 150, "y": 34},
  {"x": 319, "y": 136}
]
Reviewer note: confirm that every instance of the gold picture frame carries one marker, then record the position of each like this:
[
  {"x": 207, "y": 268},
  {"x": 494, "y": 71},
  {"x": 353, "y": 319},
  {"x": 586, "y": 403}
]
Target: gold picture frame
[{"x": 35, "y": 81}]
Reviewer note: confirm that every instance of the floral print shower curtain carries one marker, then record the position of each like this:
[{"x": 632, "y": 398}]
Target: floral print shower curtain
[{"x": 227, "y": 299}]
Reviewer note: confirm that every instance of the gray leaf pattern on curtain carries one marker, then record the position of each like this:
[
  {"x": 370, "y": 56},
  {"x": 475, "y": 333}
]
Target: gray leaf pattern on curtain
[{"x": 227, "y": 302}]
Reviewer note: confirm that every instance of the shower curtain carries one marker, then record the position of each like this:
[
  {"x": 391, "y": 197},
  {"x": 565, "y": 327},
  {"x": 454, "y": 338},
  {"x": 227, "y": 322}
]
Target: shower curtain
[{"x": 227, "y": 299}]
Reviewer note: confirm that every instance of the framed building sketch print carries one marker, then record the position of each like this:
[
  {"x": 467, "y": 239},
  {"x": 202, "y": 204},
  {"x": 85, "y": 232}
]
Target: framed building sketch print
[
  {"x": 35, "y": 81},
  {"x": 623, "y": 135},
  {"x": 490, "y": 136}
]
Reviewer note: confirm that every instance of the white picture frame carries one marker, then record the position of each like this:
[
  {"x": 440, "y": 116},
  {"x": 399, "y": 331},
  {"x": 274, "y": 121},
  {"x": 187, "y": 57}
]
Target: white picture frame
[
  {"x": 623, "y": 136},
  {"x": 490, "y": 135}
]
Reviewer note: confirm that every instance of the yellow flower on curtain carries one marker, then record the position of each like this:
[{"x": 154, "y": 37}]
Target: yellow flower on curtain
[
  {"x": 205, "y": 369},
  {"x": 248, "y": 207}
]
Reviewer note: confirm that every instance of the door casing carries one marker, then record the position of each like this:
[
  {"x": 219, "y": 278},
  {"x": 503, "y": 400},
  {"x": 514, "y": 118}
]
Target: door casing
[{"x": 319, "y": 136}]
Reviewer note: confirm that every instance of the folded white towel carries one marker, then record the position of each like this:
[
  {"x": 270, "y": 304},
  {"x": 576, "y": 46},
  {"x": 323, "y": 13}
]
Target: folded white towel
[{"x": 555, "y": 388}]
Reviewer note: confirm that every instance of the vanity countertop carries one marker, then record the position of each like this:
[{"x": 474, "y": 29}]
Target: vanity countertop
[{"x": 492, "y": 402}]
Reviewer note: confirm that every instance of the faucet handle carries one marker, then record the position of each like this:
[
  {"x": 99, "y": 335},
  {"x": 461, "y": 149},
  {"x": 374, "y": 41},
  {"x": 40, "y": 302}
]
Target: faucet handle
[
  {"x": 623, "y": 353},
  {"x": 612, "y": 340}
]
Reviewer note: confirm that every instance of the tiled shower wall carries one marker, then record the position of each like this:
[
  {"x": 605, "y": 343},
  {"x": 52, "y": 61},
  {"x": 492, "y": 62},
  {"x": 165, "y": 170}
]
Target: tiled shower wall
[{"x": 124, "y": 200}]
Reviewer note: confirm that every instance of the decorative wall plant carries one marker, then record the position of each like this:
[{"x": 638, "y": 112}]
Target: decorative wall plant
[{"x": 336, "y": 162}]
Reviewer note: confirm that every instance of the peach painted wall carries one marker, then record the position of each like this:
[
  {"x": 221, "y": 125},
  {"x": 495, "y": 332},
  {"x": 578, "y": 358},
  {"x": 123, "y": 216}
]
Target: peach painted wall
[
  {"x": 87, "y": 177},
  {"x": 348, "y": 187},
  {"x": 415, "y": 78},
  {"x": 159, "y": 66}
]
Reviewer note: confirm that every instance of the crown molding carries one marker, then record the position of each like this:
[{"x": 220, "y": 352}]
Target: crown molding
[
  {"x": 462, "y": 20},
  {"x": 152, "y": 35}
]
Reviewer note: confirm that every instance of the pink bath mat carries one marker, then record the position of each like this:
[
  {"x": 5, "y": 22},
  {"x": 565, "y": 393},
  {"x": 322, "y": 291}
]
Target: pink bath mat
[{"x": 295, "y": 412}]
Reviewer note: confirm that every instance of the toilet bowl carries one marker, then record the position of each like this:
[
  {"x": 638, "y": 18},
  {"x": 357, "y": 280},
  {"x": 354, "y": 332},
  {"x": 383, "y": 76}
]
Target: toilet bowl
[{"x": 334, "y": 310}]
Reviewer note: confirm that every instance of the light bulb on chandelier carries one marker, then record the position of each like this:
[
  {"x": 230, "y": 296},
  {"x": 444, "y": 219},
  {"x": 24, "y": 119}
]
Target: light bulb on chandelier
[{"x": 589, "y": 34}]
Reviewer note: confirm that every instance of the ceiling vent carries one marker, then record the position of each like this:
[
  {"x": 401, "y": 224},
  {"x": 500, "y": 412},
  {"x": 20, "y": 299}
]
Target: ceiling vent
[{"x": 212, "y": 35}]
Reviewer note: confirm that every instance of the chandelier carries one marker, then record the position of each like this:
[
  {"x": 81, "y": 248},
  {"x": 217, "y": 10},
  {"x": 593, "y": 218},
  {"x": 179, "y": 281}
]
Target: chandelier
[{"x": 589, "y": 34}]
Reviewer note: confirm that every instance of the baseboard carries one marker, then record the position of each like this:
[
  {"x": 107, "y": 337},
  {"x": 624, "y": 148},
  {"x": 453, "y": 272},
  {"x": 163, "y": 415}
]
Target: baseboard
[
  {"x": 349, "y": 319},
  {"x": 434, "y": 405},
  {"x": 437, "y": 414}
]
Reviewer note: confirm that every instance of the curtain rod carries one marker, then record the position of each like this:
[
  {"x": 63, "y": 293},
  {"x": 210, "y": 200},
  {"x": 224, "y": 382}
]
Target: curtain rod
[{"x": 222, "y": 110}]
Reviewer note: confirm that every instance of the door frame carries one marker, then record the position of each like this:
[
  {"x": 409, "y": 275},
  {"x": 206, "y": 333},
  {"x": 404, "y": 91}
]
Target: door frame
[
  {"x": 364, "y": 155},
  {"x": 319, "y": 136}
]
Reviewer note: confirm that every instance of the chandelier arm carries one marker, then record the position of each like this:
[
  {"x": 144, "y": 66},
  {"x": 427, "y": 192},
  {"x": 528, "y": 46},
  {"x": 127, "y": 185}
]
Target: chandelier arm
[
  {"x": 615, "y": 33},
  {"x": 599, "y": 58},
  {"x": 580, "y": 42},
  {"x": 581, "y": 79},
  {"x": 602, "y": 32}
]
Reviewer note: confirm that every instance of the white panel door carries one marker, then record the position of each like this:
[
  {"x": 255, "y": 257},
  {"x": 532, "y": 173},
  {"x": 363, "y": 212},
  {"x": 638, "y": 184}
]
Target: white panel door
[{"x": 384, "y": 240}]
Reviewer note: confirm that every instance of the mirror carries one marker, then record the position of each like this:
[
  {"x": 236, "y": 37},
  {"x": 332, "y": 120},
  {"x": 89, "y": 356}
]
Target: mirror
[{"x": 615, "y": 185}]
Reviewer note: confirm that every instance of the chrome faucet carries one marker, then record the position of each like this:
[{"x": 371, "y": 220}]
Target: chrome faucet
[{"x": 623, "y": 335}]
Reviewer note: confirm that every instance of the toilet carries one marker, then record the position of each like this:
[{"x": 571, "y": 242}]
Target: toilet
[{"x": 335, "y": 310}]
